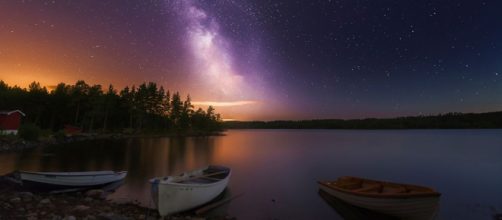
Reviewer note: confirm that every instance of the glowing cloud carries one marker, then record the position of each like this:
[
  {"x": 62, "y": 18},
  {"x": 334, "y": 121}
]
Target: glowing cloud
[{"x": 224, "y": 104}]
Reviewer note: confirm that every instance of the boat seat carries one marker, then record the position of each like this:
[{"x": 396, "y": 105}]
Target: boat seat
[
  {"x": 348, "y": 185},
  {"x": 210, "y": 178},
  {"x": 393, "y": 189},
  {"x": 369, "y": 188}
]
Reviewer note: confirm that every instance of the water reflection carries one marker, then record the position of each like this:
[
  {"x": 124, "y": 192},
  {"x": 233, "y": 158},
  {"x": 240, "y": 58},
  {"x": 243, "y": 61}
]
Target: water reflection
[
  {"x": 143, "y": 158},
  {"x": 277, "y": 170}
]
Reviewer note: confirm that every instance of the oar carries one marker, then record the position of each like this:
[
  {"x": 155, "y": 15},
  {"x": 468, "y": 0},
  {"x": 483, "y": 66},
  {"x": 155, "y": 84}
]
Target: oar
[
  {"x": 213, "y": 205},
  {"x": 207, "y": 175}
]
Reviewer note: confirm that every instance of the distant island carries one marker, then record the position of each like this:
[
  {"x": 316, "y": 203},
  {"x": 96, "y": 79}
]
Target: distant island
[{"x": 442, "y": 121}]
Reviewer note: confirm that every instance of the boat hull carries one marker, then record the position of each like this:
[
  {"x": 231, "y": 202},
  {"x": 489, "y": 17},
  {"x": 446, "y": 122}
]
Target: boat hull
[
  {"x": 350, "y": 212},
  {"x": 404, "y": 208},
  {"x": 174, "y": 197},
  {"x": 52, "y": 180}
]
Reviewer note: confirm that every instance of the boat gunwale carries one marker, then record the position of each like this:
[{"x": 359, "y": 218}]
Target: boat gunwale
[
  {"x": 56, "y": 185},
  {"x": 433, "y": 192},
  {"x": 190, "y": 184},
  {"x": 74, "y": 174}
]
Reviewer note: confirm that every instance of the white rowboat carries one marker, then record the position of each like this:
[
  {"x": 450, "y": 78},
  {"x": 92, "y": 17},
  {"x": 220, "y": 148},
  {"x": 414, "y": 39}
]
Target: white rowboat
[
  {"x": 174, "y": 194},
  {"x": 404, "y": 201},
  {"x": 60, "y": 180}
]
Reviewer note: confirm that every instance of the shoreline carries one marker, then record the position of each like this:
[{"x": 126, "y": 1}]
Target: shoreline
[
  {"x": 15, "y": 144},
  {"x": 89, "y": 205}
]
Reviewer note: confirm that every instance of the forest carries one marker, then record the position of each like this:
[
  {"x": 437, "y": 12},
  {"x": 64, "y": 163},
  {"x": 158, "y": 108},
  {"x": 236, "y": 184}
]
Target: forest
[
  {"x": 441, "y": 121},
  {"x": 146, "y": 108}
]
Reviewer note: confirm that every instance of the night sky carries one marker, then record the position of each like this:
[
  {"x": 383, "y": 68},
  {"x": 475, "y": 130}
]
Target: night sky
[{"x": 268, "y": 59}]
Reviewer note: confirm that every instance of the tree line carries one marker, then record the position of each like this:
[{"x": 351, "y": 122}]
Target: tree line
[
  {"x": 145, "y": 108},
  {"x": 442, "y": 121}
]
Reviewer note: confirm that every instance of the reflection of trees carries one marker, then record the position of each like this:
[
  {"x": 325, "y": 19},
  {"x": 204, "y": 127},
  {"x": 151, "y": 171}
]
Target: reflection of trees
[
  {"x": 143, "y": 158},
  {"x": 9, "y": 163},
  {"x": 176, "y": 153},
  {"x": 150, "y": 157},
  {"x": 82, "y": 156},
  {"x": 204, "y": 148}
]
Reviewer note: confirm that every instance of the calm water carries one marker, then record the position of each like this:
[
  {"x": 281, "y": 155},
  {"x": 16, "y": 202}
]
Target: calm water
[{"x": 283, "y": 165}]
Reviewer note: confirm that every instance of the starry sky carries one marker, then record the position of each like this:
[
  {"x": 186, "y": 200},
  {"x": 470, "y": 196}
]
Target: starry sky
[{"x": 268, "y": 59}]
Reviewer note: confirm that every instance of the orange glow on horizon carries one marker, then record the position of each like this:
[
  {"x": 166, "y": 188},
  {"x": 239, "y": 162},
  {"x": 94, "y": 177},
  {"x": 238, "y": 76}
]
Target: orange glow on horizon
[
  {"x": 223, "y": 104},
  {"x": 53, "y": 50},
  {"x": 23, "y": 79}
]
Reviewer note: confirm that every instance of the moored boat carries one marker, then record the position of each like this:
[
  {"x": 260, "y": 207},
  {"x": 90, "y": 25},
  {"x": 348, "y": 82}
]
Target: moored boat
[
  {"x": 351, "y": 212},
  {"x": 191, "y": 189},
  {"x": 404, "y": 201},
  {"x": 62, "y": 180}
]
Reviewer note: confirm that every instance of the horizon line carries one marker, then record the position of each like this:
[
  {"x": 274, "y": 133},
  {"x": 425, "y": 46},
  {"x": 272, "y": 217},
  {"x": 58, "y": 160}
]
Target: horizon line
[{"x": 390, "y": 117}]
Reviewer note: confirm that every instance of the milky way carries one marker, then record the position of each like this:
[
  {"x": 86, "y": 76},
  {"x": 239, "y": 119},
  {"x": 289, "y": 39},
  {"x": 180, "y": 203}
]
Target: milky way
[
  {"x": 211, "y": 58},
  {"x": 268, "y": 59},
  {"x": 216, "y": 64}
]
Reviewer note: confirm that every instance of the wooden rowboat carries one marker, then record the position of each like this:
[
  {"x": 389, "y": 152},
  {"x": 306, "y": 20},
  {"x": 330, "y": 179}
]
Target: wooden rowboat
[
  {"x": 62, "y": 180},
  {"x": 174, "y": 194},
  {"x": 351, "y": 212},
  {"x": 404, "y": 201}
]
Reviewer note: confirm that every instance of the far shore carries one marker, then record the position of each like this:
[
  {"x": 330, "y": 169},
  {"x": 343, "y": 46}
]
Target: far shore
[{"x": 453, "y": 120}]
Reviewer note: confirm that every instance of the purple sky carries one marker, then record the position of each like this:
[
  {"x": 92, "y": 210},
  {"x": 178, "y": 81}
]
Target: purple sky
[{"x": 268, "y": 59}]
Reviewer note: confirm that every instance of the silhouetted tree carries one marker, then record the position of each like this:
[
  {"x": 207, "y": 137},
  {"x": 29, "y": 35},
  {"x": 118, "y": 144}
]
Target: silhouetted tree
[
  {"x": 176, "y": 110},
  {"x": 143, "y": 108}
]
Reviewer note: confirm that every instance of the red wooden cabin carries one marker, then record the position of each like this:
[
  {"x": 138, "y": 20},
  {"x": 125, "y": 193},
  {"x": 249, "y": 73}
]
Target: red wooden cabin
[{"x": 10, "y": 121}]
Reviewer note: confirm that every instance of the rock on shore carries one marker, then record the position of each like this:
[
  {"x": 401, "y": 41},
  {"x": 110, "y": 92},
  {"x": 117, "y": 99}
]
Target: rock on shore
[
  {"x": 25, "y": 205},
  {"x": 89, "y": 205},
  {"x": 8, "y": 144}
]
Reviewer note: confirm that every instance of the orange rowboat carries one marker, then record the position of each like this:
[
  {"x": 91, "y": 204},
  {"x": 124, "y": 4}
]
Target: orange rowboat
[{"x": 404, "y": 201}]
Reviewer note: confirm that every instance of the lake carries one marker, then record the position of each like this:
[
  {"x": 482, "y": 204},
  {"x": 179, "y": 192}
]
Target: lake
[{"x": 277, "y": 170}]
